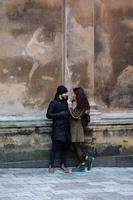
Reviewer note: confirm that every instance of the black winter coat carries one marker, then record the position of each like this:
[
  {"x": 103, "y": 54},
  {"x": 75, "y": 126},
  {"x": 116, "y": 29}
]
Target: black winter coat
[{"x": 58, "y": 112}]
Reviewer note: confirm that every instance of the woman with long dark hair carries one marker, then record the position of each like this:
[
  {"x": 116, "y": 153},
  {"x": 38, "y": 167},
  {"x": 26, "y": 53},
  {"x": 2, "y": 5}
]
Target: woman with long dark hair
[{"x": 79, "y": 106}]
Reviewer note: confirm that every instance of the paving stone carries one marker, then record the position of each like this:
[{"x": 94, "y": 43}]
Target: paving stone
[
  {"x": 38, "y": 184},
  {"x": 6, "y": 198}
]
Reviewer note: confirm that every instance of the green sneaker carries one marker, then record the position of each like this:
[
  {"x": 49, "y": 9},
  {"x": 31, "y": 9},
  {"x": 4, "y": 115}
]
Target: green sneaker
[
  {"x": 79, "y": 168},
  {"x": 88, "y": 163}
]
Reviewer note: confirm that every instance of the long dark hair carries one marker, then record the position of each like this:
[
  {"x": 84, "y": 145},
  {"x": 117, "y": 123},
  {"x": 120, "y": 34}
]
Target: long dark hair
[{"x": 82, "y": 100}]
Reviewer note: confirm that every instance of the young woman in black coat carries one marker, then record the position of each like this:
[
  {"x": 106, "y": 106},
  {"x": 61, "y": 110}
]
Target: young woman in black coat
[{"x": 59, "y": 113}]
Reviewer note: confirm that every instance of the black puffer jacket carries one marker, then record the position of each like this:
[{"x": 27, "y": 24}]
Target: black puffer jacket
[{"x": 58, "y": 111}]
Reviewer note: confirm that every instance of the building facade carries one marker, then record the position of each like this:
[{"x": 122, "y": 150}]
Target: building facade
[{"x": 85, "y": 43}]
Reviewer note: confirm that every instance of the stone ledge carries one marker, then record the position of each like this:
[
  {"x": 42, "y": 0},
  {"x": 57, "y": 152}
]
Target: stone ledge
[
  {"x": 123, "y": 128},
  {"x": 108, "y": 161},
  {"x": 40, "y": 121},
  {"x": 47, "y": 123},
  {"x": 114, "y": 161},
  {"x": 23, "y": 137}
]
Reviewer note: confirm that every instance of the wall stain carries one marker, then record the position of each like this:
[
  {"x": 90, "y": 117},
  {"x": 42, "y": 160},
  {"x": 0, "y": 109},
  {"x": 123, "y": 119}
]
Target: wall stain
[
  {"x": 79, "y": 75},
  {"x": 31, "y": 14},
  {"x": 33, "y": 52},
  {"x": 116, "y": 90}
]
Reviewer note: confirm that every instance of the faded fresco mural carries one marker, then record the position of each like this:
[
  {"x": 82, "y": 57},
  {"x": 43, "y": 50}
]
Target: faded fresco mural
[
  {"x": 114, "y": 54},
  {"x": 80, "y": 44},
  {"x": 84, "y": 43},
  {"x": 30, "y": 54}
]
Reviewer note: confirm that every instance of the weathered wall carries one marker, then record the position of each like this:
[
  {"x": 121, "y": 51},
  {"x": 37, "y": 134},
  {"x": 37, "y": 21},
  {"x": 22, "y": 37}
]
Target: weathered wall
[
  {"x": 113, "y": 139},
  {"x": 80, "y": 44},
  {"x": 30, "y": 54},
  {"x": 34, "y": 143},
  {"x": 45, "y": 43},
  {"x": 84, "y": 43},
  {"x": 113, "y": 54}
]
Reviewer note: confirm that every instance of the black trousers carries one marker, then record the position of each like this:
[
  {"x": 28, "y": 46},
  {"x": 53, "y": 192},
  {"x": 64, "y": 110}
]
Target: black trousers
[{"x": 58, "y": 148}]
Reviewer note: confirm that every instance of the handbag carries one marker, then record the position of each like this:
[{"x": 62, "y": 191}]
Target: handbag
[{"x": 85, "y": 119}]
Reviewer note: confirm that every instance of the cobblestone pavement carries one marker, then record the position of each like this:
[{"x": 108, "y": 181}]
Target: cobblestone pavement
[{"x": 38, "y": 184}]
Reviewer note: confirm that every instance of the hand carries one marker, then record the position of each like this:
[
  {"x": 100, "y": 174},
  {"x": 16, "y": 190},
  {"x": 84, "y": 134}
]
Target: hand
[
  {"x": 64, "y": 113},
  {"x": 69, "y": 104}
]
